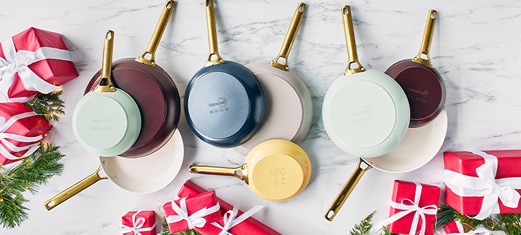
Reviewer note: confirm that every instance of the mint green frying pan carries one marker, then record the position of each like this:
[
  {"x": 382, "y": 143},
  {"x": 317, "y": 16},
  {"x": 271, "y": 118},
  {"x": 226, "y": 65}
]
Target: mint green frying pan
[
  {"x": 106, "y": 121},
  {"x": 365, "y": 112}
]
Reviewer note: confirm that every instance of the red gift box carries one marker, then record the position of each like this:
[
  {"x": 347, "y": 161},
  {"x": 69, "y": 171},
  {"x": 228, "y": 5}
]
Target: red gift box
[
  {"x": 20, "y": 131},
  {"x": 483, "y": 183},
  {"x": 456, "y": 228},
  {"x": 192, "y": 212},
  {"x": 409, "y": 201},
  {"x": 32, "y": 62},
  {"x": 248, "y": 226},
  {"x": 139, "y": 223}
]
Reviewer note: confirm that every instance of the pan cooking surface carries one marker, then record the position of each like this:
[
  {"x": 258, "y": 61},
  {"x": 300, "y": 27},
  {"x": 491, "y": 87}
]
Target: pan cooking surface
[
  {"x": 362, "y": 113},
  {"x": 218, "y": 105}
]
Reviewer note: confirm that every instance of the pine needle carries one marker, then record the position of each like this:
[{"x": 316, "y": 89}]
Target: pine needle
[
  {"x": 363, "y": 227},
  {"x": 49, "y": 106}
]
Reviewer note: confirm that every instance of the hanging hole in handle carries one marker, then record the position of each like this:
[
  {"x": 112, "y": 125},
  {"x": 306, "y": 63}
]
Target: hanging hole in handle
[
  {"x": 302, "y": 7},
  {"x": 147, "y": 56},
  {"x": 108, "y": 36},
  {"x": 330, "y": 214},
  {"x": 104, "y": 82},
  {"x": 345, "y": 10},
  {"x": 282, "y": 60},
  {"x": 194, "y": 170},
  {"x": 214, "y": 57},
  {"x": 434, "y": 14},
  {"x": 51, "y": 204},
  {"x": 424, "y": 56},
  {"x": 168, "y": 5},
  {"x": 238, "y": 173},
  {"x": 354, "y": 65},
  {"x": 208, "y": 3},
  {"x": 364, "y": 165}
]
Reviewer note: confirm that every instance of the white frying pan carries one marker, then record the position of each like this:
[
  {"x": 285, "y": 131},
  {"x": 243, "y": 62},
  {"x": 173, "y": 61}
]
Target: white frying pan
[
  {"x": 289, "y": 108},
  {"x": 417, "y": 148},
  {"x": 139, "y": 175}
]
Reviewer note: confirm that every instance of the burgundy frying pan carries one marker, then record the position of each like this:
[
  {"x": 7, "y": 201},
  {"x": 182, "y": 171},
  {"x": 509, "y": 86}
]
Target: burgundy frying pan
[
  {"x": 422, "y": 84},
  {"x": 153, "y": 90}
]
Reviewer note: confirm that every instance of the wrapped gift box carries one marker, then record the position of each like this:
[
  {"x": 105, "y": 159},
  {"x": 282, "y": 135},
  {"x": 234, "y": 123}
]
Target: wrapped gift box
[
  {"x": 32, "y": 62},
  {"x": 248, "y": 226},
  {"x": 139, "y": 223},
  {"x": 406, "y": 196},
  {"x": 469, "y": 180},
  {"x": 21, "y": 130},
  {"x": 197, "y": 212}
]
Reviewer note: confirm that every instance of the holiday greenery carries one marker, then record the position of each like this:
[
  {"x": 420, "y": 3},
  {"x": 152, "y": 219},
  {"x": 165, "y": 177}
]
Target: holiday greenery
[
  {"x": 166, "y": 231},
  {"x": 29, "y": 173}
]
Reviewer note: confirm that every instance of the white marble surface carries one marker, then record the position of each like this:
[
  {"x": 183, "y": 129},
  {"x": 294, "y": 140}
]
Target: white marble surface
[{"x": 477, "y": 47}]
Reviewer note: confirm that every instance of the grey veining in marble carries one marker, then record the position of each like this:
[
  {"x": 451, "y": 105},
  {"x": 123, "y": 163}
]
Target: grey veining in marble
[{"x": 477, "y": 48}]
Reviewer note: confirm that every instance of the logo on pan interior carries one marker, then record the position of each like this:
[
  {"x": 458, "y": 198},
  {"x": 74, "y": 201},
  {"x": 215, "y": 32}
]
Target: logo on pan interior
[
  {"x": 220, "y": 106},
  {"x": 417, "y": 94}
]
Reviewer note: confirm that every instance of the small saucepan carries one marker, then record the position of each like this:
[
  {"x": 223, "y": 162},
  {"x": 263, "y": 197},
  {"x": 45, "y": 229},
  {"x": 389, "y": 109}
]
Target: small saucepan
[
  {"x": 106, "y": 121},
  {"x": 140, "y": 175},
  {"x": 417, "y": 148},
  {"x": 275, "y": 170},
  {"x": 365, "y": 112},
  {"x": 422, "y": 84},
  {"x": 224, "y": 101},
  {"x": 153, "y": 90},
  {"x": 289, "y": 109}
]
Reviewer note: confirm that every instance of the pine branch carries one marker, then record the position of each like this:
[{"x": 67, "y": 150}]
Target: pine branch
[
  {"x": 25, "y": 176},
  {"x": 509, "y": 223},
  {"x": 364, "y": 227},
  {"x": 49, "y": 106},
  {"x": 166, "y": 231}
]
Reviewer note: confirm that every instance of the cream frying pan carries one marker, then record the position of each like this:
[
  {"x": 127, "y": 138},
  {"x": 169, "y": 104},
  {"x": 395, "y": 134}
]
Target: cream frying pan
[
  {"x": 139, "y": 175},
  {"x": 289, "y": 109},
  {"x": 417, "y": 148}
]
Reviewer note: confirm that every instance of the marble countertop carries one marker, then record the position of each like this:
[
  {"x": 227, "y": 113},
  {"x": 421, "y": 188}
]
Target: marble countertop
[{"x": 476, "y": 48}]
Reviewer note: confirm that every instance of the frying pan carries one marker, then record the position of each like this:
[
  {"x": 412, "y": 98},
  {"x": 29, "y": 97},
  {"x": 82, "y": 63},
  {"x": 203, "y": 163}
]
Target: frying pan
[
  {"x": 365, "y": 112},
  {"x": 417, "y": 148},
  {"x": 154, "y": 91},
  {"x": 275, "y": 170},
  {"x": 107, "y": 121},
  {"x": 224, "y": 101},
  {"x": 422, "y": 84},
  {"x": 139, "y": 175},
  {"x": 289, "y": 109}
]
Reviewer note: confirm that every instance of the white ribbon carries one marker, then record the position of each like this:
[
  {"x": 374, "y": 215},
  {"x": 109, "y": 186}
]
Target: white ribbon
[
  {"x": 18, "y": 62},
  {"x": 461, "y": 230},
  {"x": 485, "y": 185},
  {"x": 4, "y": 136},
  {"x": 419, "y": 212},
  {"x": 194, "y": 220},
  {"x": 137, "y": 226},
  {"x": 230, "y": 221}
]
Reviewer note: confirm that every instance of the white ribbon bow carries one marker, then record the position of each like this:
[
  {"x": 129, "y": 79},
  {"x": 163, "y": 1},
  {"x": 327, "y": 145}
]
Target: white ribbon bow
[
  {"x": 478, "y": 230},
  {"x": 137, "y": 226},
  {"x": 194, "y": 220},
  {"x": 419, "y": 212},
  {"x": 4, "y": 136},
  {"x": 485, "y": 185},
  {"x": 230, "y": 221},
  {"x": 18, "y": 62}
]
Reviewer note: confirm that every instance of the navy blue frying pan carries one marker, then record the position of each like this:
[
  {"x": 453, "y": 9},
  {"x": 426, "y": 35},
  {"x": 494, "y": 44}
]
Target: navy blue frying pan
[{"x": 224, "y": 101}]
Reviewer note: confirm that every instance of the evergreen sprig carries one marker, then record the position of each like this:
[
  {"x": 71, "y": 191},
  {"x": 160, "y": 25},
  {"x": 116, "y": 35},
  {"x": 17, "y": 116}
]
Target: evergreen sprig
[
  {"x": 364, "y": 227},
  {"x": 25, "y": 176},
  {"x": 509, "y": 223},
  {"x": 166, "y": 231},
  {"x": 49, "y": 106}
]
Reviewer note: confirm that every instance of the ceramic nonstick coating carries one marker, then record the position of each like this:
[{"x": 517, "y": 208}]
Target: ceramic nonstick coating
[
  {"x": 275, "y": 170},
  {"x": 422, "y": 84},
  {"x": 224, "y": 101},
  {"x": 289, "y": 109},
  {"x": 140, "y": 175},
  {"x": 153, "y": 90},
  {"x": 107, "y": 121}
]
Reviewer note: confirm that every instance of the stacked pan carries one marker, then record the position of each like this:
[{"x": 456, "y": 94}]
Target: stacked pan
[{"x": 392, "y": 121}]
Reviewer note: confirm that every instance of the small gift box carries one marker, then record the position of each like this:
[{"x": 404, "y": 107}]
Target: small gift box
[
  {"x": 483, "y": 183},
  {"x": 242, "y": 222},
  {"x": 139, "y": 223},
  {"x": 413, "y": 208},
  {"x": 192, "y": 212},
  {"x": 32, "y": 62},
  {"x": 21, "y": 130},
  {"x": 456, "y": 228}
]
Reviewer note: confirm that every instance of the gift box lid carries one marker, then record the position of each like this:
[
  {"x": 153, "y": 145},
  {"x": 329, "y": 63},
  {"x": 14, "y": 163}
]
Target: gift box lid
[{"x": 467, "y": 162}]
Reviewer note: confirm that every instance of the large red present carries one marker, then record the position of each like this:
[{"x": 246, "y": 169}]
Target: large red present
[
  {"x": 192, "y": 212},
  {"x": 483, "y": 183},
  {"x": 456, "y": 228},
  {"x": 413, "y": 208},
  {"x": 21, "y": 130},
  {"x": 32, "y": 62},
  {"x": 139, "y": 223},
  {"x": 247, "y": 226}
]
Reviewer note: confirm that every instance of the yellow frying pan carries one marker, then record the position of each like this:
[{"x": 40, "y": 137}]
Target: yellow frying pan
[{"x": 275, "y": 170}]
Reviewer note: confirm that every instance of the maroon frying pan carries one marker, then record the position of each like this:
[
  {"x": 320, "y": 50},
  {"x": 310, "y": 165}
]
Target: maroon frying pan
[
  {"x": 153, "y": 90},
  {"x": 422, "y": 84}
]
